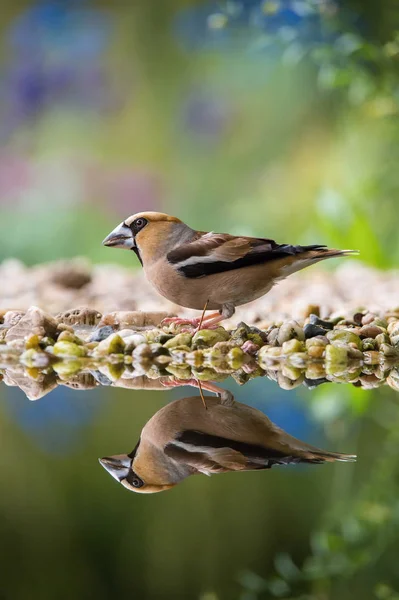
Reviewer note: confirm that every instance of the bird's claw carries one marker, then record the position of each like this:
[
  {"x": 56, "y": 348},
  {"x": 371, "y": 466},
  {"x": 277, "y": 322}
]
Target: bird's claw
[{"x": 180, "y": 321}]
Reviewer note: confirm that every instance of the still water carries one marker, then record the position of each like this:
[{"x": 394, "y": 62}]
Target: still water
[{"x": 298, "y": 530}]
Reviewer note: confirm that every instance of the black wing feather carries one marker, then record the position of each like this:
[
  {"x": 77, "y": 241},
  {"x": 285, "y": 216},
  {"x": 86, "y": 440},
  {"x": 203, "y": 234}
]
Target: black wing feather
[
  {"x": 257, "y": 256},
  {"x": 258, "y": 456}
]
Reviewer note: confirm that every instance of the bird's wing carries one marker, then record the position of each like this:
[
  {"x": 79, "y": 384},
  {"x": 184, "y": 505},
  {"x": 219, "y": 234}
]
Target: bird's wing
[
  {"x": 218, "y": 252},
  {"x": 214, "y": 454}
]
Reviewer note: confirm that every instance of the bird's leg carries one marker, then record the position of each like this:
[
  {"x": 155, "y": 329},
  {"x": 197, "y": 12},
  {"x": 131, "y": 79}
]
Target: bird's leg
[
  {"x": 195, "y": 322},
  {"x": 226, "y": 397},
  {"x": 212, "y": 321}
]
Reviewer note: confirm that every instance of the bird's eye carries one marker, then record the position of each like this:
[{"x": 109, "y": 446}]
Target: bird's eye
[
  {"x": 134, "y": 480},
  {"x": 138, "y": 224}
]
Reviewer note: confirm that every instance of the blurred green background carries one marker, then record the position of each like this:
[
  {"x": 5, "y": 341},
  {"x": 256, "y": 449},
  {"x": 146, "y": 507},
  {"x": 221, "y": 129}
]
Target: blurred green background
[{"x": 275, "y": 118}]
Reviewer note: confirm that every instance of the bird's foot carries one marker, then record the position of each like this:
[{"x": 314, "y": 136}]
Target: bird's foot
[
  {"x": 197, "y": 323},
  {"x": 179, "y": 321}
]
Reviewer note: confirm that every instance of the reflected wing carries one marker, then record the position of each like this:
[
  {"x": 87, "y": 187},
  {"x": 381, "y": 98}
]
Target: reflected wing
[{"x": 214, "y": 454}]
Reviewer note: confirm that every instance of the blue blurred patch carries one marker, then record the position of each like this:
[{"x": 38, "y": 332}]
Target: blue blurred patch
[{"x": 57, "y": 421}]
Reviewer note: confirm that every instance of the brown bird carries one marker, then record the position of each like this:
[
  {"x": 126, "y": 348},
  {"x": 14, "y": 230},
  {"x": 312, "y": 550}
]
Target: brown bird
[
  {"x": 216, "y": 271},
  {"x": 183, "y": 439}
]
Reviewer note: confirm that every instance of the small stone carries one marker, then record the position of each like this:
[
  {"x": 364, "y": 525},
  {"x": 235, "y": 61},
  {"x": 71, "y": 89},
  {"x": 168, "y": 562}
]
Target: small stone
[
  {"x": 316, "y": 351},
  {"x": 315, "y": 320},
  {"x": 67, "y": 336},
  {"x": 208, "y": 337},
  {"x": 34, "y": 389},
  {"x": 133, "y": 341},
  {"x": 369, "y": 382},
  {"x": 250, "y": 347},
  {"x": 179, "y": 371},
  {"x": 393, "y": 379},
  {"x": 292, "y": 346},
  {"x": 68, "y": 349},
  {"x": 208, "y": 375},
  {"x": 315, "y": 371},
  {"x": 32, "y": 342},
  {"x": 311, "y": 330},
  {"x": 336, "y": 355},
  {"x": 272, "y": 336},
  {"x": 389, "y": 352},
  {"x": 113, "y": 344},
  {"x": 291, "y": 372},
  {"x": 344, "y": 336},
  {"x": 82, "y": 381},
  {"x": 142, "y": 352},
  {"x": 236, "y": 358},
  {"x": 287, "y": 384},
  {"x": 383, "y": 323},
  {"x": 358, "y": 318},
  {"x": 319, "y": 340},
  {"x": 12, "y": 317},
  {"x": 181, "y": 339},
  {"x": 298, "y": 359},
  {"x": 354, "y": 353},
  {"x": 35, "y": 358},
  {"x": 135, "y": 318},
  {"x": 35, "y": 320},
  {"x": 370, "y": 331},
  {"x": 195, "y": 358},
  {"x": 66, "y": 368},
  {"x": 382, "y": 338},
  {"x": 369, "y": 344},
  {"x": 290, "y": 330},
  {"x": 113, "y": 372},
  {"x": 368, "y": 318},
  {"x": 371, "y": 357},
  {"x": 80, "y": 316},
  {"x": 101, "y": 334}
]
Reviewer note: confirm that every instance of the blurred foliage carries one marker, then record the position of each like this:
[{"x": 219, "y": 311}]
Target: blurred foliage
[{"x": 274, "y": 118}]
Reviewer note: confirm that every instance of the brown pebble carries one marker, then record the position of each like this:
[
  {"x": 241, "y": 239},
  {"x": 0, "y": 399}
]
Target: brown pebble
[
  {"x": 368, "y": 318},
  {"x": 134, "y": 318},
  {"x": 370, "y": 331},
  {"x": 35, "y": 321},
  {"x": 79, "y": 316},
  {"x": 316, "y": 351}
]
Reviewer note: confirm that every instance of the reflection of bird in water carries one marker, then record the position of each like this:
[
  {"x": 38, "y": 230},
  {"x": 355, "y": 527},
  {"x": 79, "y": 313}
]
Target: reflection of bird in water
[{"x": 183, "y": 439}]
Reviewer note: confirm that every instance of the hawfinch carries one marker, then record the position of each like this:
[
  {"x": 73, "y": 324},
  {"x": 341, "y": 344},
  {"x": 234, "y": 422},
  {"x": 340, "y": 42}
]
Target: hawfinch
[
  {"x": 183, "y": 439},
  {"x": 218, "y": 271}
]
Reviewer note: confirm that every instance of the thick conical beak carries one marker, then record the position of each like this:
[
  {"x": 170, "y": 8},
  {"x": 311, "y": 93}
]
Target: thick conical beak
[
  {"x": 118, "y": 466},
  {"x": 120, "y": 237}
]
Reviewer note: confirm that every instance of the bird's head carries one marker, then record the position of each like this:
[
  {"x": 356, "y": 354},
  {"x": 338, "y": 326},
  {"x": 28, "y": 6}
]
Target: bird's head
[
  {"x": 144, "y": 233},
  {"x": 120, "y": 467}
]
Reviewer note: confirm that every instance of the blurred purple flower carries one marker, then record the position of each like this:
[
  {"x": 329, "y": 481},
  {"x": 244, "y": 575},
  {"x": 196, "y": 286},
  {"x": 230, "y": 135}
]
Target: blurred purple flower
[
  {"x": 15, "y": 176},
  {"x": 55, "y": 56},
  {"x": 206, "y": 113}
]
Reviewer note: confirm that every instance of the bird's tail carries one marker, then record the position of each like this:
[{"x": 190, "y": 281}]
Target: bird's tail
[
  {"x": 299, "y": 451},
  {"x": 321, "y": 252},
  {"x": 321, "y": 456},
  {"x": 305, "y": 256}
]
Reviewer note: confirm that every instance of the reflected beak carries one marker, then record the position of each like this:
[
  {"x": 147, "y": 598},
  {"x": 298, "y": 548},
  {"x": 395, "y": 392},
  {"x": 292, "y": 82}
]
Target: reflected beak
[
  {"x": 118, "y": 466},
  {"x": 120, "y": 237}
]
